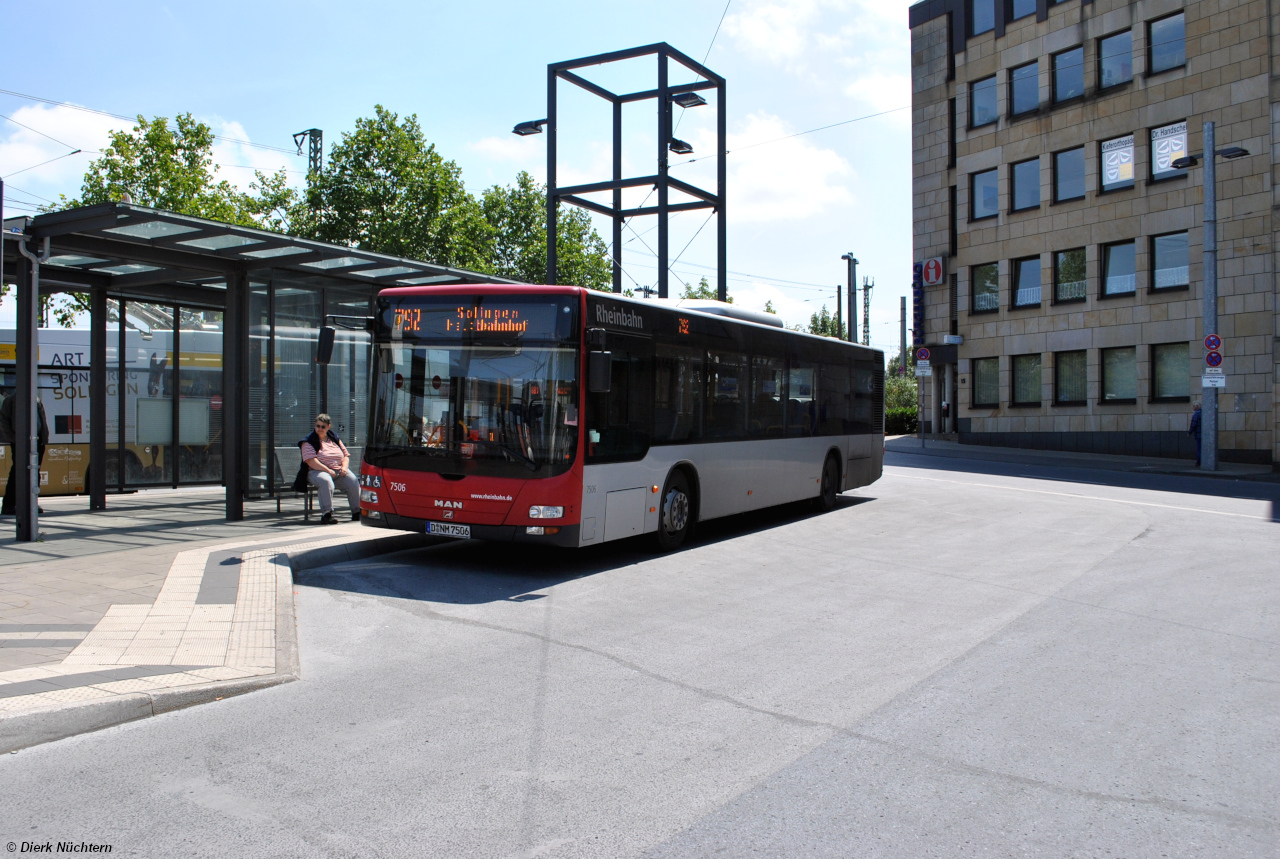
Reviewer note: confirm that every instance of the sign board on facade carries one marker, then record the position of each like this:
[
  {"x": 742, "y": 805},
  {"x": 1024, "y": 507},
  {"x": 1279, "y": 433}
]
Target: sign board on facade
[
  {"x": 934, "y": 271},
  {"x": 1168, "y": 144},
  {"x": 952, "y": 339},
  {"x": 1117, "y": 163}
]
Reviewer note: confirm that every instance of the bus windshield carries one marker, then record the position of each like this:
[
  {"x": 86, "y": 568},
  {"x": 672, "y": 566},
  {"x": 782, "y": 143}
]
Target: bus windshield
[{"x": 486, "y": 403}]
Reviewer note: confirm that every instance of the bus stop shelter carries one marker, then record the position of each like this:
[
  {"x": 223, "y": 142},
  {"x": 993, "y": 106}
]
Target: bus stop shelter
[{"x": 200, "y": 362}]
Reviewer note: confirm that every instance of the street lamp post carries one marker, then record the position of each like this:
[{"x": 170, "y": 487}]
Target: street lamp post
[
  {"x": 1209, "y": 396},
  {"x": 853, "y": 295}
]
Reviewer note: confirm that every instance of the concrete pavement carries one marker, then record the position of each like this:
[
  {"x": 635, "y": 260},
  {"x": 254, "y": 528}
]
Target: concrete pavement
[
  {"x": 139, "y": 611},
  {"x": 958, "y": 661}
]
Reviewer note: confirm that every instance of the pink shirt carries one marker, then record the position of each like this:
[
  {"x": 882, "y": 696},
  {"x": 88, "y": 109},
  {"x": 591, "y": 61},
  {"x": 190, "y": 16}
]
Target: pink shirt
[{"x": 331, "y": 453}]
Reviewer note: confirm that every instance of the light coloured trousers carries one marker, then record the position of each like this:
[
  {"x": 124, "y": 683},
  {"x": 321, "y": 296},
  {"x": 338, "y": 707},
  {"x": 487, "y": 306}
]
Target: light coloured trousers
[{"x": 325, "y": 484}]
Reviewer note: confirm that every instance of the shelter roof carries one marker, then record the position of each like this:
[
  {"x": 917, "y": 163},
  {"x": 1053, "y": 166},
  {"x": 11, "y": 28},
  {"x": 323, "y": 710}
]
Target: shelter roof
[{"x": 135, "y": 251}]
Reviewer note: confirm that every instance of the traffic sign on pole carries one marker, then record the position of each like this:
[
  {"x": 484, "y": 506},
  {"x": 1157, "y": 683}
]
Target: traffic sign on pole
[
  {"x": 922, "y": 354},
  {"x": 1213, "y": 343},
  {"x": 1213, "y": 359}
]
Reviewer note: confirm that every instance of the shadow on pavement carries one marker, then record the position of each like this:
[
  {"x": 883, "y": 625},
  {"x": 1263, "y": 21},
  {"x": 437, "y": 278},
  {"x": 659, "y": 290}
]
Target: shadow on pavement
[
  {"x": 1186, "y": 484},
  {"x": 468, "y": 572}
]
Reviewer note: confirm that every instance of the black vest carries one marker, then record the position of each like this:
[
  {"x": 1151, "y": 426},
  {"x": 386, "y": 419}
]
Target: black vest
[{"x": 300, "y": 483}]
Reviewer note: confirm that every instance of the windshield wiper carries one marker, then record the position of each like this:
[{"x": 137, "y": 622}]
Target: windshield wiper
[{"x": 532, "y": 464}]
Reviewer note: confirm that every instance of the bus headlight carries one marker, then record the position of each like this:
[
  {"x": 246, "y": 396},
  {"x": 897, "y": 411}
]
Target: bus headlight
[
  {"x": 538, "y": 512},
  {"x": 368, "y": 495},
  {"x": 373, "y": 480}
]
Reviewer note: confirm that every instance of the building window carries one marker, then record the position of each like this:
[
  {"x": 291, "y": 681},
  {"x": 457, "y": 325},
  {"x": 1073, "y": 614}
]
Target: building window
[
  {"x": 1024, "y": 89},
  {"x": 1023, "y": 8},
  {"x": 1119, "y": 274},
  {"x": 1068, "y": 175},
  {"x": 986, "y": 382},
  {"x": 1170, "y": 267},
  {"x": 1026, "y": 282},
  {"x": 1168, "y": 144},
  {"x": 1120, "y": 375},
  {"x": 984, "y": 195},
  {"x": 1115, "y": 60},
  {"x": 982, "y": 16},
  {"x": 1167, "y": 41},
  {"x": 1117, "y": 163},
  {"x": 1069, "y": 276},
  {"x": 953, "y": 229},
  {"x": 1068, "y": 74},
  {"x": 985, "y": 284},
  {"x": 1170, "y": 374},
  {"x": 1071, "y": 372},
  {"x": 1025, "y": 176},
  {"x": 1026, "y": 380},
  {"x": 982, "y": 102}
]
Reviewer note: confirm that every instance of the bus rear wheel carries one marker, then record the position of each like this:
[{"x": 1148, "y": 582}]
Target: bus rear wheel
[
  {"x": 675, "y": 512},
  {"x": 826, "y": 499}
]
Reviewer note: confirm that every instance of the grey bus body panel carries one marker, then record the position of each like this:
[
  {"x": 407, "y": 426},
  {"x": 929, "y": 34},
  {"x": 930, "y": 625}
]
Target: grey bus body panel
[{"x": 732, "y": 477}]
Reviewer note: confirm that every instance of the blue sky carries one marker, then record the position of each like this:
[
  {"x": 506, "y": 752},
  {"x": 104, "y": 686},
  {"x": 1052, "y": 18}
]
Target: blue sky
[{"x": 261, "y": 71}]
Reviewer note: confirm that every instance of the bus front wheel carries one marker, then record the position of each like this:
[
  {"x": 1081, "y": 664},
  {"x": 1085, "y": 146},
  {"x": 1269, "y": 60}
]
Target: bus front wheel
[
  {"x": 826, "y": 499},
  {"x": 675, "y": 512}
]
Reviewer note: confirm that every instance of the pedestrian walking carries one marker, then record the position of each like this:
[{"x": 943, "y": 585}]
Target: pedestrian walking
[
  {"x": 326, "y": 461},
  {"x": 1194, "y": 429},
  {"x": 7, "y": 436}
]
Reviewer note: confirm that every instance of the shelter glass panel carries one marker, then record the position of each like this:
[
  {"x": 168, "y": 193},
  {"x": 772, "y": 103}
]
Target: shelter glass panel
[
  {"x": 200, "y": 413},
  {"x": 149, "y": 412},
  {"x": 348, "y": 373},
  {"x": 264, "y": 466},
  {"x": 298, "y": 311}
]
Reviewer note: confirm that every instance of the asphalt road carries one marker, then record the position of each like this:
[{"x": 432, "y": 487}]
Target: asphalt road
[{"x": 963, "y": 659}]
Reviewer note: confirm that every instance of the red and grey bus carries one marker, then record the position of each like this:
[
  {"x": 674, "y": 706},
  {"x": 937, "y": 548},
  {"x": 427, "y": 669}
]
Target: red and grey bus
[{"x": 568, "y": 417}]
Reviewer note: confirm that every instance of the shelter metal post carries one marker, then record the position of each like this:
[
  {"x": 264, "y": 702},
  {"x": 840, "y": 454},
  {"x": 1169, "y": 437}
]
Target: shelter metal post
[
  {"x": 235, "y": 348},
  {"x": 98, "y": 399},
  {"x": 26, "y": 472}
]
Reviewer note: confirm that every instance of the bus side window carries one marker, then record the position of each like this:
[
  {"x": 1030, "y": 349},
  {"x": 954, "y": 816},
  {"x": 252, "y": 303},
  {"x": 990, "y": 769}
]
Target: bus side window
[
  {"x": 835, "y": 401},
  {"x": 768, "y": 393},
  {"x": 620, "y": 422},
  {"x": 677, "y": 406},
  {"x": 801, "y": 406},
  {"x": 726, "y": 395},
  {"x": 865, "y": 415}
]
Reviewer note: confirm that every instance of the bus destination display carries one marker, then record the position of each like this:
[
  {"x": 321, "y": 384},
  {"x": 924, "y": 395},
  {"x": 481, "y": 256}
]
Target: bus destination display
[{"x": 446, "y": 318}]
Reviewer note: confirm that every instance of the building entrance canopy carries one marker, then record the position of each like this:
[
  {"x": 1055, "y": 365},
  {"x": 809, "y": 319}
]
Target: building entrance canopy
[{"x": 201, "y": 351}]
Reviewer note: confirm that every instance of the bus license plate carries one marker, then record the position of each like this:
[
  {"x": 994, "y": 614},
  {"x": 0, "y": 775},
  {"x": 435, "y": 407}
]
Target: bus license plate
[{"x": 447, "y": 529}]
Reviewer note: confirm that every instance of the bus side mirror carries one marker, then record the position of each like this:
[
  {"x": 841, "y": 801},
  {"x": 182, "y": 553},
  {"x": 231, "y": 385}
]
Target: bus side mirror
[
  {"x": 599, "y": 372},
  {"x": 324, "y": 347},
  {"x": 385, "y": 362}
]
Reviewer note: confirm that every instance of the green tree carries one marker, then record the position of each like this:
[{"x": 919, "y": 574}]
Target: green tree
[
  {"x": 516, "y": 216},
  {"x": 170, "y": 167},
  {"x": 900, "y": 388},
  {"x": 825, "y": 324},
  {"x": 387, "y": 189},
  {"x": 704, "y": 290}
]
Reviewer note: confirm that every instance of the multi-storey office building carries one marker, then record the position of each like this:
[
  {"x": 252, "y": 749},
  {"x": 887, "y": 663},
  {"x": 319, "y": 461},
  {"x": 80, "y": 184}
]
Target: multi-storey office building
[{"x": 1044, "y": 140}]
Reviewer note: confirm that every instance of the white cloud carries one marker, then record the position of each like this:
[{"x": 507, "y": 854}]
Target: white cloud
[
  {"x": 859, "y": 47},
  {"x": 787, "y": 180},
  {"x": 25, "y": 146},
  {"x": 238, "y": 161},
  {"x": 510, "y": 149}
]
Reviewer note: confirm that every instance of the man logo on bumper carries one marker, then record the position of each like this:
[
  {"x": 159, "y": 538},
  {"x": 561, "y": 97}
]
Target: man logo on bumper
[{"x": 455, "y": 505}]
